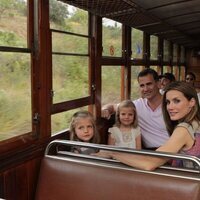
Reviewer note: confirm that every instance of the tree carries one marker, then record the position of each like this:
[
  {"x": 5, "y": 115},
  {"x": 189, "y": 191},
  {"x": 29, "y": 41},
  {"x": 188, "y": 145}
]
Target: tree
[
  {"x": 79, "y": 16},
  {"x": 6, "y": 5},
  {"x": 58, "y": 11}
]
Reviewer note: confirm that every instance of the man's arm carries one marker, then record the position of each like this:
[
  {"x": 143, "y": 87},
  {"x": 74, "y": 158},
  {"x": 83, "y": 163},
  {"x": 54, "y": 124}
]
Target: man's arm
[{"x": 108, "y": 110}]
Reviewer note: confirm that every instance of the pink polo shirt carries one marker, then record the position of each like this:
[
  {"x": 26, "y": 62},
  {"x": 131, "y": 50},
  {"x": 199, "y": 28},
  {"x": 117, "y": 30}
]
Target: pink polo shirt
[{"x": 151, "y": 123}]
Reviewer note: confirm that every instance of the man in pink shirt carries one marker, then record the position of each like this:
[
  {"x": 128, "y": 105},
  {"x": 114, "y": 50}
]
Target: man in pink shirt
[{"x": 153, "y": 130}]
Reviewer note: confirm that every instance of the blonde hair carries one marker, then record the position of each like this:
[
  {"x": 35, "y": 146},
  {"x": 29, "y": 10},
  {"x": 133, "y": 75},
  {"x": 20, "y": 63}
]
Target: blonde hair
[
  {"x": 126, "y": 104},
  {"x": 82, "y": 115},
  {"x": 189, "y": 92}
]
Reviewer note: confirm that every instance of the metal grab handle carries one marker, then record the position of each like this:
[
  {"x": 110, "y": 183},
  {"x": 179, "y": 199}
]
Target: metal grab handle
[{"x": 54, "y": 144}]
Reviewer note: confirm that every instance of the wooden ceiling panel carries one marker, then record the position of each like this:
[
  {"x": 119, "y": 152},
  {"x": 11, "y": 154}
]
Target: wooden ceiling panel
[
  {"x": 184, "y": 19},
  {"x": 189, "y": 24},
  {"x": 137, "y": 19},
  {"x": 176, "y": 9},
  {"x": 156, "y": 29},
  {"x": 152, "y": 4}
]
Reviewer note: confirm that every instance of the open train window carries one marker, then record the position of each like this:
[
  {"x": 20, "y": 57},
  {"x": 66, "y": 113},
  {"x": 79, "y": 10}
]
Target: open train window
[
  {"x": 15, "y": 69},
  {"x": 137, "y": 43},
  {"x": 65, "y": 78},
  {"x": 135, "y": 93},
  {"x": 156, "y": 68},
  {"x": 166, "y": 55},
  {"x": 167, "y": 69},
  {"x": 70, "y": 54},
  {"x": 153, "y": 47},
  {"x": 111, "y": 84},
  {"x": 182, "y": 73},
  {"x": 70, "y": 62},
  {"x": 176, "y": 72},
  {"x": 111, "y": 38},
  {"x": 175, "y": 52}
]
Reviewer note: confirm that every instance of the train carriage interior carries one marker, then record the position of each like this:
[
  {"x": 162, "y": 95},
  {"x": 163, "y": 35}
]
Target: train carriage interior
[
  {"x": 62, "y": 56},
  {"x": 178, "y": 21}
]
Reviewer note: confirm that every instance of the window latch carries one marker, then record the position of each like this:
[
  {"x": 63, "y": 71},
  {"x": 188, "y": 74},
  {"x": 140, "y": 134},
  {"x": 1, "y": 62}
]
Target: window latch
[{"x": 36, "y": 118}]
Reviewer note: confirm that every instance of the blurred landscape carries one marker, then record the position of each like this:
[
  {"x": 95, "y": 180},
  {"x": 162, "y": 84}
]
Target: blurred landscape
[{"x": 69, "y": 72}]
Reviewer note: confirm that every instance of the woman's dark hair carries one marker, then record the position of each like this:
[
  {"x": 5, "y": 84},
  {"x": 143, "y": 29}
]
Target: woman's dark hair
[{"x": 189, "y": 92}]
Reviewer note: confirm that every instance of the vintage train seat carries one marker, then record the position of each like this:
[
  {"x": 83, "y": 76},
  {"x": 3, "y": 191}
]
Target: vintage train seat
[{"x": 67, "y": 176}]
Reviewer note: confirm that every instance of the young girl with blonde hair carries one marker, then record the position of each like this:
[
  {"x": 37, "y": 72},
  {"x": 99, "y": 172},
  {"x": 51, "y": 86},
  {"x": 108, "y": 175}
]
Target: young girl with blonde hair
[
  {"x": 83, "y": 129},
  {"x": 125, "y": 132}
]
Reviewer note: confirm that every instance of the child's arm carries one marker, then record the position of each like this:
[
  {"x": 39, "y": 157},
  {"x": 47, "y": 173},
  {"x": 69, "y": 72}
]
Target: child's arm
[
  {"x": 111, "y": 140},
  {"x": 138, "y": 142}
]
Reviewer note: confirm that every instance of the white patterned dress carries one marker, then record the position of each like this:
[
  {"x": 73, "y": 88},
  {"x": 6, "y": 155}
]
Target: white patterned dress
[{"x": 124, "y": 139}]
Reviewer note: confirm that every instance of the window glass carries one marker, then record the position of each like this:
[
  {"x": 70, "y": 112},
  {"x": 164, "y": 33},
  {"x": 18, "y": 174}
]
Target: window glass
[
  {"x": 15, "y": 95},
  {"x": 175, "y": 55},
  {"x": 176, "y": 72},
  {"x": 61, "y": 121},
  {"x": 14, "y": 33},
  {"x": 158, "y": 69},
  {"x": 70, "y": 78},
  {"x": 153, "y": 47},
  {"x": 135, "y": 92},
  {"x": 68, "y": 18},
  {"x": 111, "y": 84},
  {"x": 15, "y": 71},
  {"x": 155, "y": 68},
  {"x": 166, "y": 69},
  {"x": 182, "y": 73},
  {"x": 111, "y": 38},
  {"x": 166, "y": 50},
  {"x": 182, "y": 54},
  {"x": 70, "y": 59},
  {"x": 66, "y": 43},
  {"x": 137, "y": 43}
]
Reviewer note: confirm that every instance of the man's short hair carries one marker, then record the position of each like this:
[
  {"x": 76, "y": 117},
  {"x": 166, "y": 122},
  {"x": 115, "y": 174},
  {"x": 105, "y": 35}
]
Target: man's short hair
[
  {"x": 148, "y": 71},
  {"x": 169, "y": 76}
]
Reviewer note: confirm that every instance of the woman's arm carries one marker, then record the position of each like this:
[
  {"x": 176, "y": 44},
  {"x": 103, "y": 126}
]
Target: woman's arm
[
  {"x": 138, "y": 142},
  {"x": 179, "y": 139}
]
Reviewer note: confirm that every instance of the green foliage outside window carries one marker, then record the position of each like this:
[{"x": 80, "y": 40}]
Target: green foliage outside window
[{"x": 58, "y": 12}]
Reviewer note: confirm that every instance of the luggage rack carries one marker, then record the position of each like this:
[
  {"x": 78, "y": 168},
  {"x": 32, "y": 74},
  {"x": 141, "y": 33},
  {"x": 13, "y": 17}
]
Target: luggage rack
[{"x": 53, "y": 149}]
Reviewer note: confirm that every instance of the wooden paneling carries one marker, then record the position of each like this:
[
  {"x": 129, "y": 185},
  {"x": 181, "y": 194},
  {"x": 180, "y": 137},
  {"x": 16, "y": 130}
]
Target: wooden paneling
[
  {"x": 19, "y": 170},
  {"x": 19, "y": 183}
]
